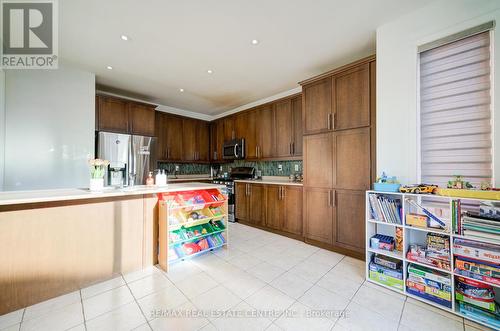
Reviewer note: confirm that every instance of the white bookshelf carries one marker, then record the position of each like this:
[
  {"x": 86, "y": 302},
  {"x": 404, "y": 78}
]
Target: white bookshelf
[{"x": 409, "y": 234}]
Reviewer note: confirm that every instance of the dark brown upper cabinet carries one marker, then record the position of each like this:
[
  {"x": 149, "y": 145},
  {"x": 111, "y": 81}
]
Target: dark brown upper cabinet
[
  {"x": 124, "y": 116},
  {"x": 283, "y": 127},
  {"x": 112, "y": 114},
  {"x": 351, "y": 98},
  {"x": 245, "y": 127},
  {"x": 142, "y": 119},
  {"x": 318, "y": 106},
  {"x": 169, "y": 137},
  {"x": 265, "y": 132},
  {"x": 216, "y": 140},
  {"x": 297, "y": 126}
]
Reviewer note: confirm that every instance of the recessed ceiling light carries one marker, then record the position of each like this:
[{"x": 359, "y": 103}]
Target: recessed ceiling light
[
  {"x": 109, "y": 67},
  {"x": 209, "y": 71},
  {"x": 181, "y": 90},
  {"x": 255, "y": 42},
  {"x": 124, "y": 37}
]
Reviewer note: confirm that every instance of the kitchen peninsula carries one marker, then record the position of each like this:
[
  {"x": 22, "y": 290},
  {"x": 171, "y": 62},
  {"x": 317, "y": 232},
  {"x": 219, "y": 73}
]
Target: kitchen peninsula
[{"x": 57, "y": 241}]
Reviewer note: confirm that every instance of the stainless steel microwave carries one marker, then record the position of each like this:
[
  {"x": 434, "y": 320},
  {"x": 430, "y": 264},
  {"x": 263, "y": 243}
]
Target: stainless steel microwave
[{"x": 234, "y": 149}]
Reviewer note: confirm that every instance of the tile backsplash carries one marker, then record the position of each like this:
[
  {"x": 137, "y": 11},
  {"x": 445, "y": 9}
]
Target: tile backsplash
[
  {"x": 268, "y": 168},
  {"x": 185, "y": 168}
]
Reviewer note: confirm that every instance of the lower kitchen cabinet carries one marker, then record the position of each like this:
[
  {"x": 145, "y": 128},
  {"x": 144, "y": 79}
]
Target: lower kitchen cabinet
[
  {"x": 241, "y": 200},
  {"x": 257, "y": 204},
  {"x": 293, "y": 209},
  {"x": 275, "y": 211},
  {"x": 349, "y": 225},
  {"x": 277, "y": 207},
  {"x": 251, "y": 202},
  {"x": 318, "y": 214}
]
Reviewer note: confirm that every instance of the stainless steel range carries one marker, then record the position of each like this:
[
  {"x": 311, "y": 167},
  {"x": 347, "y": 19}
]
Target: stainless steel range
[{"x": 236, "y": 173}]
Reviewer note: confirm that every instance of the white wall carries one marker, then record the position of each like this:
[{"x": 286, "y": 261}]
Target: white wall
[
  {"x": 397, "y": 44},
  {"x": 2, "y": 125},
  {"x": 50, "y": 123}
]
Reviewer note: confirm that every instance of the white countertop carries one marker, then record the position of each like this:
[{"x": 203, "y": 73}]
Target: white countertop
[
  {"x": 270, "y": 180},
  {"x": 19, "y": 197}
]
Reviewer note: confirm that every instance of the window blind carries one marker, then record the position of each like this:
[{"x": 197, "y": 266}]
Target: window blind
[{"x": 455, "y": 111}]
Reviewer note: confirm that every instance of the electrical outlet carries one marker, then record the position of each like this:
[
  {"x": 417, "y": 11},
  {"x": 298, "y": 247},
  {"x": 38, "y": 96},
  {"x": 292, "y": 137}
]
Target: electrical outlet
[
  {"x": 177, "y": 168},
  {"x": 297, "y": 167},
  {"x": 280, "y": 167}
]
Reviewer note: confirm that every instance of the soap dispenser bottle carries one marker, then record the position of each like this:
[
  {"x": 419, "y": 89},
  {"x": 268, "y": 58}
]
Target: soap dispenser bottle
[{"x": 150, "y": 180}]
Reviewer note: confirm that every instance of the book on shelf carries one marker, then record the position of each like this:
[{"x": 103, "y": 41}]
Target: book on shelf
[{"x": 385, "y": 209}]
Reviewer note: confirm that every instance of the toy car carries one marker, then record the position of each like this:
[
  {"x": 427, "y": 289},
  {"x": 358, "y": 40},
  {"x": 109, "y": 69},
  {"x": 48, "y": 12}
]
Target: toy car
[{"x": 418, "y": 188}]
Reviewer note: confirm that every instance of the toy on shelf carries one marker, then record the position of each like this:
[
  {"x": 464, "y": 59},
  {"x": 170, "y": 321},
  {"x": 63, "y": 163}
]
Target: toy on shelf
[
  {"x": 399, "y": 239},
  {"x": 418, "y": 188},
  {"x": 429, "y": 284},
  {"x": 435, "y": 253},
  {"x": 386, "y": 184},
  {"x": 459, "y": 183},
  {"x": 475, "y": 293},
  {"x": 386, "y": 271},
  {"x": 380, "y": 241},
  {"x": 432, "y": 222}
]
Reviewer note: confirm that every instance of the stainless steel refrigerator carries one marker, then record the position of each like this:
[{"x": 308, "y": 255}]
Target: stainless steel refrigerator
[{"x": 131, "y": 157}]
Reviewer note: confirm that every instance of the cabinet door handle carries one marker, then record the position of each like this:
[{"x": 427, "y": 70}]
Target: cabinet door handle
[
  {"x": 256, "y": 151},
  {"x": 333, "y": 120},
  {"x": 333, "y": 198},
  {"x": 283, "y": 193},
  {"x": 279, "y": 192},
  {"x": 330, "y": 198},
  {"x": 329, "y": 121},
  {"x": 290, "y": 148},
  {"x": 293, "y": 148}
]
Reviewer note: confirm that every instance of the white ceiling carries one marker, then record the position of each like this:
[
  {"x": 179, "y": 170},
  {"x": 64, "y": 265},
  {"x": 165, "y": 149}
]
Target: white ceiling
[{"x": 173, "y": 44}]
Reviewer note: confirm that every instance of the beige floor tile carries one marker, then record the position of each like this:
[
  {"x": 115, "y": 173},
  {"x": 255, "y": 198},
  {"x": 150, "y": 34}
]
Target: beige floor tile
[
  {"x": 102, "y": 287},
  {"x": 126, "y": 317},
  {"x": 182, "y": 321},
  {"x": 269, "y": 298},
  {"x": 319, "y": 298},
  {"x": 150, "y": 284},
  {"x": 242, "y": 318},
  {"x": 196, "y": 285},
  {"x": 291, "y": 284},
  {"x": 428, "y": 319},
  {"x": 219, "y": 298},
  {"x": 56, "y": 319},
  {"x": 389, "y": 306},
  {"x": 158, "y": 303},
  {"x": 141, "y": 273},
  {"x": 303, "y": 318},
  {"x": 51, "y": 305},
  {"x": 244, "y": 261},
  {"x": 337, "y": 283},
  {"x": 310, "y": 271},
  {"x": 266, "y": 272},
  {"x": 360, "y": 318},
  {"x": 107, "y": 301},
  {"x": 244, "y": 285},
  {"x": 10, "y": 319}
]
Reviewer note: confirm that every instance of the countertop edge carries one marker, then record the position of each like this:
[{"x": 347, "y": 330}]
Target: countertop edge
[
  {"x": 268, "y": 182},
  {"x": 81, "y": 194}
]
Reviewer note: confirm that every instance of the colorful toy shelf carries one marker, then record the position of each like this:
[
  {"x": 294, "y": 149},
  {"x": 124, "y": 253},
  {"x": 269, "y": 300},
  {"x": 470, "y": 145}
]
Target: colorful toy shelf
[
  {"x": 430, "y": 257},
  {"x": 191, "y": 223}
]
